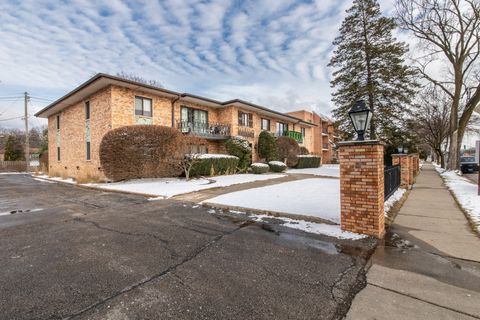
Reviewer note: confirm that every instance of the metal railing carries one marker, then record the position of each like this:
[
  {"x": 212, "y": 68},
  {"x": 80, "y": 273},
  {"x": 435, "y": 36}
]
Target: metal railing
[
  {"x": 246, "y": 132},
  {"x": 205, "y": 129},
  {"x": 391, "y": 180}
]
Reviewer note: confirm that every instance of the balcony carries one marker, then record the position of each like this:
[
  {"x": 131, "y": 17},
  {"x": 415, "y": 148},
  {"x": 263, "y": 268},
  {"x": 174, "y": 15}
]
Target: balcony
[
  {"x": 246, "y": 132},
  {"x": 292, "y": 134},
  {"x": 213, "y": 131}
]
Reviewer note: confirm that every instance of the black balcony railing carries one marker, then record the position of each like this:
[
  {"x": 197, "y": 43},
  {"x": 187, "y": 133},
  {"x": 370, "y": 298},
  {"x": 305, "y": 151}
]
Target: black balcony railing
[
  {"x": 391, "y": 180},
  {"x": 205, "y": 129}
]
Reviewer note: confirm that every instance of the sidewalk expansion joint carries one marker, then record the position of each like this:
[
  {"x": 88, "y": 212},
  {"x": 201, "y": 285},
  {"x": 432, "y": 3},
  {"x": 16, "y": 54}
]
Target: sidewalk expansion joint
[{"x": 425, "y": 301}]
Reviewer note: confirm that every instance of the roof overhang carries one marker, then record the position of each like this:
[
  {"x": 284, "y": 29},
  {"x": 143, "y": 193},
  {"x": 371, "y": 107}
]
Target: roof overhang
[
  {"x": 267, "y": 112},
  {"x": 100, "y": 81}
]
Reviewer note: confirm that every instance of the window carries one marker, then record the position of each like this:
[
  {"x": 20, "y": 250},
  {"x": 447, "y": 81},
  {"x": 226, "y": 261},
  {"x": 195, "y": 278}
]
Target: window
[
  {"x": 87, "y": 110},
  {"x": 193, "y": 120},
  {"x": 58, "y": 153},
  {"x": 282, "y": 128},
  {"x": 58, "y": 122},
  {"x": 143, "y": 107},
  {"x": 245, "y": 119},
  {"x": 302, "y": 130},
  {"x": 265, "y": 124},
  {"x": 88, "y": 150}
]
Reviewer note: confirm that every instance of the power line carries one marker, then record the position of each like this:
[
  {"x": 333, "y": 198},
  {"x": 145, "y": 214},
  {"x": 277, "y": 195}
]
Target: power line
[
  {"x": 11, "y": 105},
  {"x": 11, "y": 118}
]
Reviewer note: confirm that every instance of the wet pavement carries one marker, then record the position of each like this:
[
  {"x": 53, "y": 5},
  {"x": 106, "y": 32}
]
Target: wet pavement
[
  {"x": 428, "y": 266},
  {"x": 472, "y": 176},
  {"x": 74, "y": 253}
]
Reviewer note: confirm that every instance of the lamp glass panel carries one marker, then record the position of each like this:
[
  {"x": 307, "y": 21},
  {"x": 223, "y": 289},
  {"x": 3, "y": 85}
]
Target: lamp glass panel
[{"x": 360, "y": 120}]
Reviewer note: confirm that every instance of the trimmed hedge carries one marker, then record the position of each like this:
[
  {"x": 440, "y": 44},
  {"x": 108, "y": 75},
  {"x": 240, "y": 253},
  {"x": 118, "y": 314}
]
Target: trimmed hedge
[
  {"x": 259, "y": 168},
  {"x": 210, "y": 165},
  {"x": 288, "y": 149},
  {"x": 277, "y": 166},
  {"x": 141, "y": 151},
  {"x": 308, "y": 161}
]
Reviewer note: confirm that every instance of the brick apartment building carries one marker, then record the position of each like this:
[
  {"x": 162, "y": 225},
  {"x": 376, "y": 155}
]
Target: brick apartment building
[
  {"x": 323, "y": 138},
  {"x": 78, "y": 121}
]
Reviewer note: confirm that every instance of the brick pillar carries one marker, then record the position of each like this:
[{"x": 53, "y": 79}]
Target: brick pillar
[
  {"x": 411, "y": 169},
  {"x": 361, "y": 187},
  {"x": 416, "y": 162},
  {"x": 402, "y": 160}
]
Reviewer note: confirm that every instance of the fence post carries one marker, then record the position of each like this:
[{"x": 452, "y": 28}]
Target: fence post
[
  {"x": 402, "y": 160},
  {"x": 362, "y": 187}
]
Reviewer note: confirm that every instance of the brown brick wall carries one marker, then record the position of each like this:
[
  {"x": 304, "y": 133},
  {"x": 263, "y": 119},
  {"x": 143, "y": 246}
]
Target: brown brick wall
[
  {"x": 361, "y": 188},
  {"x": 73, "y": 161}
]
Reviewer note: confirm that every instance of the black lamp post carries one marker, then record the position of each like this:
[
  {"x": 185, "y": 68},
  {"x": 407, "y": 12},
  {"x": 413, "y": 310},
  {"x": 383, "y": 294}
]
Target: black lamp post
[{"x": 360, "y": 115}]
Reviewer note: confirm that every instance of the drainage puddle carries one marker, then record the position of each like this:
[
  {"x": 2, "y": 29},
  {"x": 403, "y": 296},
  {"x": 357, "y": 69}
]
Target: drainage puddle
[
  {"x": 324, "y": 246},
  {"x": 19, "y": 211}
]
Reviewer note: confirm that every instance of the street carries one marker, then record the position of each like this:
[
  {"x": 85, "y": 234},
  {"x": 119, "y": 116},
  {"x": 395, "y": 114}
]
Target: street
[{"x": 74, "y": 253}]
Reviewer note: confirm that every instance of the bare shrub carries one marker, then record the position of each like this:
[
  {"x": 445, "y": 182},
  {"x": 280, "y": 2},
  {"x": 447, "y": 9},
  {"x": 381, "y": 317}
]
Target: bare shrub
[
  {"x": 142, "y": 151},
  {"x": 288, "y": 149}
]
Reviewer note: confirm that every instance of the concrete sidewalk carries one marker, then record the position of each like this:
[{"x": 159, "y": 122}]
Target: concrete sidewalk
[{"x": 429, "y": 264}]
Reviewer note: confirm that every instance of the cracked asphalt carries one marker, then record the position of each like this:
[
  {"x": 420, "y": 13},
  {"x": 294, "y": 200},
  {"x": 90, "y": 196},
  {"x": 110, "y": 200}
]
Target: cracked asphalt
[{"x": 90, "y": 254}]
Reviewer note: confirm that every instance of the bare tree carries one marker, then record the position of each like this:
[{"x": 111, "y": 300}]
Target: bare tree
[
  {"x": 449, "y": 30},
  {"x": 431, "y": 120},
  {"x": 136, "y": 78}
]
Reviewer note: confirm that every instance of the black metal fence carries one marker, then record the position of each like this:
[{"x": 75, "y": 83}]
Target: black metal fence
[{"x": 391, "y": 180}]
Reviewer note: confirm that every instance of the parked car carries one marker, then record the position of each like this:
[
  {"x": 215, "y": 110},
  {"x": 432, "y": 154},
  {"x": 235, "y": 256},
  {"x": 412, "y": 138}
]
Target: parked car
[{"x": 468, "y": 164}]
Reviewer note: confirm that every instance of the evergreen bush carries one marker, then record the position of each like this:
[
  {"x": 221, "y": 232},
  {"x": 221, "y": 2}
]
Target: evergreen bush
[
  {"x": 214, "y": 164},
  {"x": 240, "y": 148},
  {"x": 277, "y": 166},
  {"x": 267, "y": 146},
  {"x": 308, "y": 161},
  {"x": 259, "y": 168}
]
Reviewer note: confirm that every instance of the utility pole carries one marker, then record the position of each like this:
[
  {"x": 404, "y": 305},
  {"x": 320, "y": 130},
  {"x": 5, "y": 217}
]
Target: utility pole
[{"x": 27, "y": 142}]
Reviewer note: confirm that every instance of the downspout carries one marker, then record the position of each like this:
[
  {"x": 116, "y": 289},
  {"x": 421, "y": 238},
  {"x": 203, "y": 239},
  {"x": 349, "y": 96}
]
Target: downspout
[{"x": 173, "y": 110}]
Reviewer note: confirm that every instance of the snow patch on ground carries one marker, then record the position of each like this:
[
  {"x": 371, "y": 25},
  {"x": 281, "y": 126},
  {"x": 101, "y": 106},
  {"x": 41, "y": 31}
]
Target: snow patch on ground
[
  {"x": 466, "y": 193},
  {"x": 13, "y": 172},
  {"x": 396, "y": 196},
  {"x": 329, "y": 170},
  {"x": 56, "y": 179},
  {"x": 43, "y": 180},
  {"x": 310, "y": 197},
  {"x": 311, "y": 227},
  {"x": 19, "y": 211},
  {"x": 169, "y": 187}
]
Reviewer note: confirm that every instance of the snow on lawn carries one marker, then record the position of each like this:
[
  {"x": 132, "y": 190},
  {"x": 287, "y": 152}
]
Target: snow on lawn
[
  {"x": 310, "y": 197},
  {"x": 169, "y": 187},
  {"x": 329, "y": 170},
  {"x": 312, "y": 227},
  {"x": 466, "y": 193},
  {"x": 56, "y": 179},
  {"x": 397, "y": 195}
]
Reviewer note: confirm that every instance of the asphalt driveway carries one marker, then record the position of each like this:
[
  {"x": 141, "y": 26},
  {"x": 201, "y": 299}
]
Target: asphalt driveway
[{"x": 69, "y": 252}]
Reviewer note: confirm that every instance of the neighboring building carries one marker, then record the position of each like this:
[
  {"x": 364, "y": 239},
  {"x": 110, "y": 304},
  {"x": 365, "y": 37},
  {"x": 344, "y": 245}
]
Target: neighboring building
[
  {"x": 323, "y": 138},
  {"x": 78, "y": 121}
]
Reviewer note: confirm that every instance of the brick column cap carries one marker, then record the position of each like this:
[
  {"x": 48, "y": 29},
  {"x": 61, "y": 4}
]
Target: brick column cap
[
  {"x": 400, "y": 154},
  {"x": 359, "y": 143}
]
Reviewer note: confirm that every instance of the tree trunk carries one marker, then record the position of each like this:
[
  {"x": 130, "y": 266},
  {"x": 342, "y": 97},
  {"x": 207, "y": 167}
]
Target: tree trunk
[{"x": 453, "y": 150}]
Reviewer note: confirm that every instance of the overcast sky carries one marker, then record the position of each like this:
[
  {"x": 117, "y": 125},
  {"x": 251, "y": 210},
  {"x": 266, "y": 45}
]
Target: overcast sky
[{"x": 271, "y": 52}]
